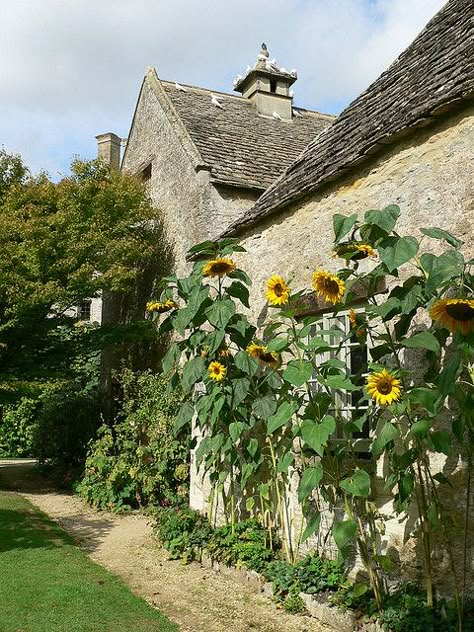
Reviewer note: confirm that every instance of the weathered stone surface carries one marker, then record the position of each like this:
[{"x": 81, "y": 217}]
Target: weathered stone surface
[{"x": 333, "y": 617}]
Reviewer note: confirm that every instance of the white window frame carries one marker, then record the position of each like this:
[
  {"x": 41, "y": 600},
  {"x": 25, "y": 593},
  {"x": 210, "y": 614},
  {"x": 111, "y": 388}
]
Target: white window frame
[{"x": 343, "y": 400}]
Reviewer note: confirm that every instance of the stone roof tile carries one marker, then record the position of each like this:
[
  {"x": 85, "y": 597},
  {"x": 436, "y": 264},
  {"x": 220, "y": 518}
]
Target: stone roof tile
[
  {"x": 240, "y": 147},
  {"x": 433, "y": 73}
]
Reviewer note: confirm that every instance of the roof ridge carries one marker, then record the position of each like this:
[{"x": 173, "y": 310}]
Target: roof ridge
[{"x": 240, "y": 98}]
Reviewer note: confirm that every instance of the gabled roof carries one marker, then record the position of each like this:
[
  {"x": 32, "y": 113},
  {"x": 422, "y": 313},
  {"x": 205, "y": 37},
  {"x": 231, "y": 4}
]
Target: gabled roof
[
  {"x": 240, "y": 147},
  {"x": 433, "y": 74}
]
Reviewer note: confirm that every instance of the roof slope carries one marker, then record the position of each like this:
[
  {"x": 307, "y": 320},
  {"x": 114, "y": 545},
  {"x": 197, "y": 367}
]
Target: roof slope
[
  {"x": 437, "y": 69},
  {"x": 241, "y": 147}
]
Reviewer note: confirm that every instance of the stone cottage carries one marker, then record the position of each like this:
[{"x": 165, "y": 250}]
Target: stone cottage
[{"x": 258, "y": 168}]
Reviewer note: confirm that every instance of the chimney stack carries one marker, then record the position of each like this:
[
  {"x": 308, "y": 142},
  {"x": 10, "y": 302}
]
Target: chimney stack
[
  {"x": 268, "y": 86},
  {"x": 108, "y": 149}
]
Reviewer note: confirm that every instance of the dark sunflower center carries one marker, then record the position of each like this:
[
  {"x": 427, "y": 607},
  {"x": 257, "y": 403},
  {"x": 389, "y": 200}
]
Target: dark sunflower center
[
  {"x": 460, "y": 311},
  {"x": 278, "y": 289},
  {"x": 266, "y": 357},
  {"x": 331, "y": 286},
  {"x": 220, "y": 266},
  {"x": 384, "y": 387}
]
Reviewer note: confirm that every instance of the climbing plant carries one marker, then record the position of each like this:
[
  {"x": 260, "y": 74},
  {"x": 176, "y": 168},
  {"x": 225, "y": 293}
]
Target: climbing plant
[{"x": 267, "y": 400}]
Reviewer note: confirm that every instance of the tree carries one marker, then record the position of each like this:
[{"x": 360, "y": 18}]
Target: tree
[{"x": 60, "y": 243}]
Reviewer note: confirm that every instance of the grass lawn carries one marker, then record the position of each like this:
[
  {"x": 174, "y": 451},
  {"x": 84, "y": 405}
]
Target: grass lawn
[{"x": 47, "y": 584}]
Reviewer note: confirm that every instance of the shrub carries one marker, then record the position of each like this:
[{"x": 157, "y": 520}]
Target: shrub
[
  {"x": 17, "y": 428},
  {"x": 243, "y": 545},
  {"x": 183, "y": 532},
  {"x": 310, "y": 575},
  {"x": 138, "y": 461}
]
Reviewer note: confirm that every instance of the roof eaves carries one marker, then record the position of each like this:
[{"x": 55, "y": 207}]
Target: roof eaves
[{"x": 379, "y": 145}]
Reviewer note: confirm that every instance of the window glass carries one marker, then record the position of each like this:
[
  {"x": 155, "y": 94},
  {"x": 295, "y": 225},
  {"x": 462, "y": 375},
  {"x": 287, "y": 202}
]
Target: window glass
[{"x": 343, "y": 344}]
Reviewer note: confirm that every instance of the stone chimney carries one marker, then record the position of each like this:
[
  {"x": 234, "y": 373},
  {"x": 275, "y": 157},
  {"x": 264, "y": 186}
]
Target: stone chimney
[
  {"x": 108, "y": 149},
  {"x": 268, "y": 86}
]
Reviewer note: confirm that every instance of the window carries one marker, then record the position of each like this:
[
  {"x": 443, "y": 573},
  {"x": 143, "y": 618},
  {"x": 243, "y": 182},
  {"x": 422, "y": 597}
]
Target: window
[
  {"x": 146, "y": 174},
  {"x": 345, "y": 347},
  {"x": 84, "y": 310},
  {"x": 273, "y": 85}
]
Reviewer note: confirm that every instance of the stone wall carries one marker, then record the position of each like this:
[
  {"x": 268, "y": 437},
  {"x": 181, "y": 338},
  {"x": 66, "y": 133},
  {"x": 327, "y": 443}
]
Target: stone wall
[
  {"x": 431, "y": 177},
  {"x": 180, "y": 186}
]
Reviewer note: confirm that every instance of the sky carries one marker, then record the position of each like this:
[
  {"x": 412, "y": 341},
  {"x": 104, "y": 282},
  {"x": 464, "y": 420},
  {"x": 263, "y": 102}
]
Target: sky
[{"x": 72, "y": 69}]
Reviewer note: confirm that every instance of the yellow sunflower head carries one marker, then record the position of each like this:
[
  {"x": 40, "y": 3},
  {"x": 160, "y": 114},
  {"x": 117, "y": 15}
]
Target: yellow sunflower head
[
  {"x": 254, "y": 350},
  {"x": 457, "y": 314},
  {"x": 266, "y": 358},
  {"x": 216, "y": 371},
  {"x": 328, "y": 285},
  {"x": 278, "y": 292},
  {"x": 355, "y": 251},
  {"x": 156, "y": 306},
  {"x": 383, "y": 387},
  {"x": 357, "y": 322},
  {"x": 218, "y": 267}
]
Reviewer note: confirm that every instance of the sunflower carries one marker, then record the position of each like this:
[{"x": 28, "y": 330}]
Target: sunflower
[
  {"x": 218, "y": 267},
  {"x": 357, "y": 322},
  {"x": 383, "y": 387},
  {"x": 355, "y": 251},
  {"x": 216, "y": 371},
  {"x": 328, "y": 285},
  {"x": 267, "y": 358},
  {"x": 457, "y": 314},
  {"x": 278, "y": 291},
  {"x": 254, "y": 350},
  {"x": 224, "y": 352},
  {"x": 156, "y": 306}
]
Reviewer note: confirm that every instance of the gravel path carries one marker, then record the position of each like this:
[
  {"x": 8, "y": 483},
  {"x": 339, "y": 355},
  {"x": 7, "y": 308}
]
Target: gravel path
[{"x": 198, "y": 599}]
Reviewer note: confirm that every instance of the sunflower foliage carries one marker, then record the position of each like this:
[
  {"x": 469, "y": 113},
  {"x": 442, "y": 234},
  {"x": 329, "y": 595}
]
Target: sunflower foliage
[{"x": 266, "y": 398}]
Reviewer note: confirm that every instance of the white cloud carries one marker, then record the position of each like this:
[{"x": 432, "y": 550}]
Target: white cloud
[{"x": 70, "y": 69}]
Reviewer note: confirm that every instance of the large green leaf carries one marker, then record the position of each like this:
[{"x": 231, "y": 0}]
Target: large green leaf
[
  {"x": 214, "y": 340},
  {"x": 442, "y": 441},
  {"x": 385, "y": 219},
  {"x": 387, "y": 433},
  {"x": 399, "y": 251},
  {"x": 439, "y": 233},
  {"x": 342, "y": 224},
  {"x": 312, "y": 526},
  {"x": 278, "y": 344},
  {"x": 171, "y": 357},
  {"x": 282, "y": 416},
  {"x": 184, "y": 416},
  {"x": 310, "y": 480},
  {"x": 429, "y": 398},
  {"x": 245, "y": 363},
  {"x": 240, "y": 389},
  {"x": 264, "y": 407},
  {"x": 343, "y": 532},
  {"x": 422, "y": 340},
  {"x": 298, "y": 372},
  {"x": 220, "y": 312},
  {"x": 358, "y": 484},
  {"x": 316, "y": 435},
  {"x": 240, "y": 291},
  {"x": 193, "y": 371},
  {"x": 235, "y": 430}
]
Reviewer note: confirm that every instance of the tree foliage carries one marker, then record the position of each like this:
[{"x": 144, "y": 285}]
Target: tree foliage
[{"x": 60, "y": 243}]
